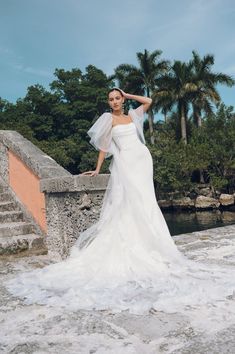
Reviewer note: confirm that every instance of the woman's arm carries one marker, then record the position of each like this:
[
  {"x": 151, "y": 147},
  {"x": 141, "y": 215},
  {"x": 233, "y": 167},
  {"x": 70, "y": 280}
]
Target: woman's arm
[
  {"x": 146, "y": 101},
  {"x": 100, "y": 161}
]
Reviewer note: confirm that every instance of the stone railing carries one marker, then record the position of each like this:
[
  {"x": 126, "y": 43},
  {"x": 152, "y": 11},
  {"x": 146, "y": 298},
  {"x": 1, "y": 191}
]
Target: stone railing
[
  {"x": 60, "y": 204},
  {"x": 72, "y": 204}
]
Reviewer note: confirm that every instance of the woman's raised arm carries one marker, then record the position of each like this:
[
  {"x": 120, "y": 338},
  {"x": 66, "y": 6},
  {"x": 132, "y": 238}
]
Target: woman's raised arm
[{"x": 146, "y": 101}]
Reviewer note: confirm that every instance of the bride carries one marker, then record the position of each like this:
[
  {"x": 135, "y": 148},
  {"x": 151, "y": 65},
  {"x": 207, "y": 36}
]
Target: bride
[{"x": 127, "y": 260}]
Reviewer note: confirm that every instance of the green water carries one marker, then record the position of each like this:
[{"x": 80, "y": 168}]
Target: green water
[{"x": 184, "y": 222}]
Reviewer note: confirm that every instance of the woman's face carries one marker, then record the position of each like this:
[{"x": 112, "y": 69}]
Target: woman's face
[{"x": 115, "y": 100}]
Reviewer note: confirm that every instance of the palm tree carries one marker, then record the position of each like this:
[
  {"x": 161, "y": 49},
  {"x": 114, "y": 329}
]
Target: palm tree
[
  {"x": 175, "y": 90},
  {"x": 206, "y": 93},
  {"x": 142, "y": 80}
]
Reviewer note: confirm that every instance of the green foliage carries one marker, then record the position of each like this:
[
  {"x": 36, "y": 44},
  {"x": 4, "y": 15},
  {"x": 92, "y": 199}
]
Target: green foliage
[
  {"x": 172, "y": 165},
  {"x": 57, "y": 120},
  {"x": 211, "y": 149}
]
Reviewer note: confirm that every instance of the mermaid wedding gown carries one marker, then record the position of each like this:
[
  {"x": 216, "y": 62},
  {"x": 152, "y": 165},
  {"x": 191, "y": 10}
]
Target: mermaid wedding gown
[{"x": 127, "y": 260}]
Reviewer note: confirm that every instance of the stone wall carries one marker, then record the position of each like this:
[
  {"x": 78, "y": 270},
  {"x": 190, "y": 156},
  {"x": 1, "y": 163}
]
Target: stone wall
[
  {"x": 22, "y": 167},
  {"x": 72, "y": 205}
]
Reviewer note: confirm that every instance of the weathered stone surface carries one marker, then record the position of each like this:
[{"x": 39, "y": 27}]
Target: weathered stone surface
[
  {"x": 165, "y": 204},
  {"x": 18, "y": 231},
  {"x": 201, "y": 330},
  {"x": 58, "y": 184},
  {"x": 226, "y": 199},
  {"x": 72, "y": 204},
  {"x": 205, "y": 191},
  {"x": 77, "y": 183},
  {"x": 29, "y": 244},
  {"x": 40, "y": 163},
  {"x": 206, "y": 202},
  {"x": 3, "y": 162},
  {"x": 183, "y": 203},
  {"x": 69, "y": 213}
]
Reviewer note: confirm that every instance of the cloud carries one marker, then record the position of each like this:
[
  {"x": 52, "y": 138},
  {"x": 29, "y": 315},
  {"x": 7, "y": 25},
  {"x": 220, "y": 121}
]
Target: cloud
[
  {"x": 4, "y": 50},
  {"x": 230, "y": 70},
  {"x": 33, "y": 71}
]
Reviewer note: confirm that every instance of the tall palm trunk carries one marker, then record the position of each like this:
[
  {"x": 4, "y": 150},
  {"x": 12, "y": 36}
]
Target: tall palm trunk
[
  {"x": 150, "y": 119},
  {"x": 151, "y": 130},
  {"x": 197, "y": 117},
  {"x": 183, "y": 123},
  {"x": 198, "y": 122},
  {"x": 165, "y": 117}
]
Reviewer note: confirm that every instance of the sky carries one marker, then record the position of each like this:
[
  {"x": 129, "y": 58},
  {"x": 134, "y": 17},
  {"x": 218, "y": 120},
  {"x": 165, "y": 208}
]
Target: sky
[{"x": 38, "y": 36}]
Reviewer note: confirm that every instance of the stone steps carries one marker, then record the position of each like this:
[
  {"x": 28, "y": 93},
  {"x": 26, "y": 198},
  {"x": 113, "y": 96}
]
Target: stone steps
[
  {"x": 26, "y": 245},
  {"x": 15, "y": 228},
  {"x": 17, "y": 236},
  {"x": 3, "y": 189},
  {"x": 8, "y": 206},
  {"x": 5, "y": 197},
  {"x": 10, "y": 216}
]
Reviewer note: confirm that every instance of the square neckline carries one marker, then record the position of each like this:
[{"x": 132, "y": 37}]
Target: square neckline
[{"x": 116, "y": 125}]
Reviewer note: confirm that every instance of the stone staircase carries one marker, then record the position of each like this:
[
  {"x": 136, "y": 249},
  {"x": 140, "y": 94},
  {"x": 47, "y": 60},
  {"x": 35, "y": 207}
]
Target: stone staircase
[{"x": 18, "y": 236}]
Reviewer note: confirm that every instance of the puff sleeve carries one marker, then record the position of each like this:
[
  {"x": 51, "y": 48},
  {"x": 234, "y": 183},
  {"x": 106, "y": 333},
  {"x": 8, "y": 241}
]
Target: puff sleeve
[
  {"x": 101, "y": 134},
  {"x": 137, "y": 116}
]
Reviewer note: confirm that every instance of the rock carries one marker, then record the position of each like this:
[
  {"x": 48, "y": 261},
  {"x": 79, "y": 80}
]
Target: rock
[
  {"x": 165, "y": 204},
  {"x": 203, "y": 202},
  {"x": 226, "y": 199},
  {"x": 206, "y": 192},
  {"x": 183, "y": 203},
  {"x": 86, "y": 202}
]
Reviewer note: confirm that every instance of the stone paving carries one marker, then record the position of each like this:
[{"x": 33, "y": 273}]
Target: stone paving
[{"x": 39, "y": 329}]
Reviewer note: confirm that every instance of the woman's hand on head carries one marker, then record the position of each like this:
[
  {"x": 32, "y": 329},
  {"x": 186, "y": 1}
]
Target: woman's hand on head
[
  {"x": 125, "y": 95},
  {"x": 89, "y": 173}
]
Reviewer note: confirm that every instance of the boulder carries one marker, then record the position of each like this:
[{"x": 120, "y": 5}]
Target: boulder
[
  {"x": 165, "y": 204},
  {"x": 206, "y": 192},
  {"x": 226, "y": 199},
  {"x": 203, "y": 202},
  {"x": 183, "y": 203}
]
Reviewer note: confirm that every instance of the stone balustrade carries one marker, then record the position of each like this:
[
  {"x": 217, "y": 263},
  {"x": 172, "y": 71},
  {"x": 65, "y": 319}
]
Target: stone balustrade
[{"x": 60, "y": 204}]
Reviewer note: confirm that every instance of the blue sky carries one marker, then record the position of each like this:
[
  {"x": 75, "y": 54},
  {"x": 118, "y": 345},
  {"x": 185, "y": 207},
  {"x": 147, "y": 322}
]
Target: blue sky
[{"x": 37, "y": 36}]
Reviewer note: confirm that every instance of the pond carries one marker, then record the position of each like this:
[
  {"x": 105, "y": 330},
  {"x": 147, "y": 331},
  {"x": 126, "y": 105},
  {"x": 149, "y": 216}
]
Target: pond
[{"x": 184, "y": 222}]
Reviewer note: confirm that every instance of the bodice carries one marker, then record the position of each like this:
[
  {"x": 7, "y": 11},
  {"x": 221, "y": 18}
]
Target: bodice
[{"x": 125, "y": 136}]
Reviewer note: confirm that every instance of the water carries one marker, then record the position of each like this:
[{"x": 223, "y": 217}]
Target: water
[{"x": 184, "y": 222}]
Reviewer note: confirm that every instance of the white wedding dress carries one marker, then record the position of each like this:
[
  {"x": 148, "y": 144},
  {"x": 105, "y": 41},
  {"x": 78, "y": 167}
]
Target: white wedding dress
[{"x": 128, "y": 259}]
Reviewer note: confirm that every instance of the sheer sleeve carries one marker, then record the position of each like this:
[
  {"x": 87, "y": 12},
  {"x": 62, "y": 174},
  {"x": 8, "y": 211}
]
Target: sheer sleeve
[
  {"x": 139, "y": 111},
  {"x": 101, "y": 134},
  {"x": 137, "y": 116}
]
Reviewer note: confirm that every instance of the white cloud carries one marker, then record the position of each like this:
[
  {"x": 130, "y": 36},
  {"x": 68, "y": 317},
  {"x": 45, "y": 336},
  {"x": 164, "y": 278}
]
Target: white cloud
[
  {"x": 33, "y": 71},
  {"x": 230, "y": 70},
  {"x": 4, "y": 50}
]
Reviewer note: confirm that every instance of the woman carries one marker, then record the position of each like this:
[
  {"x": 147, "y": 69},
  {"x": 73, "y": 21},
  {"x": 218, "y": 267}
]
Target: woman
[
  {"x": 129, "y": 202},
  {"x": 127, "y": 260}
]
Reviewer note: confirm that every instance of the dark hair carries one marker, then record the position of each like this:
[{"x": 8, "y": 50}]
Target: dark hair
[{"x": 115, "y": 89}]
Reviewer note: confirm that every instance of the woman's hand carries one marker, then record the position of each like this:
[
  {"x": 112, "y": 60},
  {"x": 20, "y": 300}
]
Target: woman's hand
[
  {"x": 89, "y": 173},
  {"x": 145, "y": 101},
  {"x": 125, "y": 95}
]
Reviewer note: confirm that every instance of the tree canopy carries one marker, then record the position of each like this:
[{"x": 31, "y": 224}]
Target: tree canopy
[{"x": 57, "y": 120}]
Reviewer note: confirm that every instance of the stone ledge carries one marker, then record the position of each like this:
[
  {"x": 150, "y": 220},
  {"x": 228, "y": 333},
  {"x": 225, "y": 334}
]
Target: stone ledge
[
  {"x": 77, "y": 183},
  {"x": 34, "y": 158}
]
